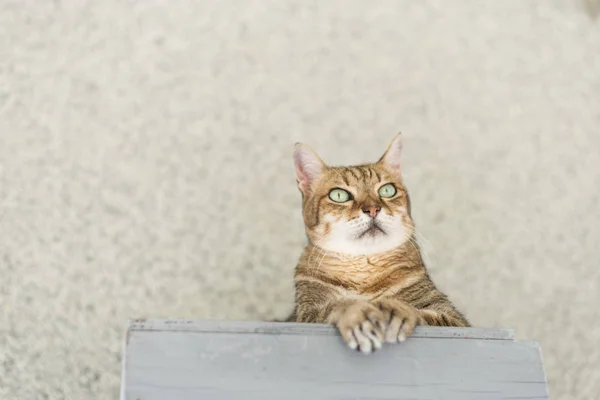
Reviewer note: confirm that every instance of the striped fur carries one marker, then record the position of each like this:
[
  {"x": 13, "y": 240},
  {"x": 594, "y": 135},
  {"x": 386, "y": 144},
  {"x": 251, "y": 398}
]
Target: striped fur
[{"x": 373, "y": 286}]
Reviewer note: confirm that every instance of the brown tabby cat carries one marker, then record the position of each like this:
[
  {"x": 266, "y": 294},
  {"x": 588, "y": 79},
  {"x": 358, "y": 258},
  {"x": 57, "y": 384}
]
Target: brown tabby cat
[{"x": 362, "y": 269}]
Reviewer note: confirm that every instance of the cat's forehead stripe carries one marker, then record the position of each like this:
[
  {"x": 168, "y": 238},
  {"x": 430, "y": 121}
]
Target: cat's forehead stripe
[
  {"x": 378, "y": 176},
  {"x": 367, "y": 172},
  {"x": 342, "y": 176},
  {"x": 353, "y": 173},
  {"x": 360, "y": 174}
]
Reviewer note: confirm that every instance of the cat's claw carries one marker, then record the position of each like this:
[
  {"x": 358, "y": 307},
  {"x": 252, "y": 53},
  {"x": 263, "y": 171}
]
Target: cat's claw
[
  {"x": 362, "y": 326},
  {"x": 401, "y": 317}
]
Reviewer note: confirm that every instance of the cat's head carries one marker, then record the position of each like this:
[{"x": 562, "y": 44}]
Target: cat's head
[{"x": 357, "y": 210}]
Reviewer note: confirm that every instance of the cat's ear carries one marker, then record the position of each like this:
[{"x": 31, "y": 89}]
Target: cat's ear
[
  {"x": 308, "y": 166},
  {"x": 391, "y": 158}
]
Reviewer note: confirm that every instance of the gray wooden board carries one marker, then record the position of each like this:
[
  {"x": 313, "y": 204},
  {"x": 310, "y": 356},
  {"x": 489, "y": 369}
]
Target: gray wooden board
[{"x": 185, "y": 360}]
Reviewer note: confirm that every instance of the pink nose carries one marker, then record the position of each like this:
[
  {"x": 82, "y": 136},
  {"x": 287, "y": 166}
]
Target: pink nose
[{"x": 371, "y": 210}]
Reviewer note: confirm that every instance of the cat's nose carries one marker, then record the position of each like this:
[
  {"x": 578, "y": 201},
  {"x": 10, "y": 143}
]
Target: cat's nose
[{"x": 371, "y": 210}]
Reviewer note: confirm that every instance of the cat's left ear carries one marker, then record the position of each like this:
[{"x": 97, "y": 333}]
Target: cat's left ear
[{"x": 391, "y": 158}]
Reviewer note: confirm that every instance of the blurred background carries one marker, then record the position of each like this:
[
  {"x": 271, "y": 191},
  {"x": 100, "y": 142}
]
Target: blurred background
[{"x": 145, "y": 166}]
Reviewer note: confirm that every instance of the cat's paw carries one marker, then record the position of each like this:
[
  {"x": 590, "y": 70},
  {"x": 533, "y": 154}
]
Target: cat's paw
[
  {"x": 361, "y": 324},
  {"x": 400, "y": 317}
]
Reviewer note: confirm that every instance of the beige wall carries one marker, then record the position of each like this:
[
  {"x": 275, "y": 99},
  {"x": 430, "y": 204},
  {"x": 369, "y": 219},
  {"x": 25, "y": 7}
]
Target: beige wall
[{"x": 145, "y": 165}]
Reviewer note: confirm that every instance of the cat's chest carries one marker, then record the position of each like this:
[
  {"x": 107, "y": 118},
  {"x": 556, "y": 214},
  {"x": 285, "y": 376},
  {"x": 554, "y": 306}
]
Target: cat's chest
[{"x": 359, "y": 276}]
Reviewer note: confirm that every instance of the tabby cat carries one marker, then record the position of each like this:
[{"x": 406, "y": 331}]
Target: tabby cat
[{"x": 362, "y": 270}]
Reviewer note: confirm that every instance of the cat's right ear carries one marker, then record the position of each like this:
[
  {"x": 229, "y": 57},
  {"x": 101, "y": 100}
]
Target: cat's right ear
[
  {"x": 308, "y": 166},
  {"x": 391, "y": 158}
]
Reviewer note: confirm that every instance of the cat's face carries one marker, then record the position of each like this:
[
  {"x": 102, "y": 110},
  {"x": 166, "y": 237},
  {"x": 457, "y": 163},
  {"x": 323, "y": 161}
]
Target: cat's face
[{"x": 358, "y": 210}]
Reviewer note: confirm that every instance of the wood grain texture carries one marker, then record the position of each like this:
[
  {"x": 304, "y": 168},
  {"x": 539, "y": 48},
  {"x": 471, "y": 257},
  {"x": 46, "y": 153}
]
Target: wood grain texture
[{"x": 184, "y": 360}]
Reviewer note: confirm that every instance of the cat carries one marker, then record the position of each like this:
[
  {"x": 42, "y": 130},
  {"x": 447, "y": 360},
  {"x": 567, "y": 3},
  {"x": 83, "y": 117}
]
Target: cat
[{"x": 362, "y": 270}]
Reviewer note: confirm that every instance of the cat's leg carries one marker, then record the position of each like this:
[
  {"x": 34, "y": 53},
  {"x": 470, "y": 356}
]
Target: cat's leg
[
  {"x": 402, "y": 318},
  {"x": 434, "y": 307},
  {"x": 443, "y": 315}
]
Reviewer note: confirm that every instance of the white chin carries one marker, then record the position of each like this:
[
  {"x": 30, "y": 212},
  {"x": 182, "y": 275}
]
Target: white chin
[{"x": 368, "y": 244}]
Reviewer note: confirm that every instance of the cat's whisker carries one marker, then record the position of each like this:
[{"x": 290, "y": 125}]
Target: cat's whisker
[
  {"x": 419, "y": 249},
  {"x": 422, "y": 239},
  {"x": 409, "y": 240},
  {"x": 424, "y": 244},
  {"x": 320, "y": 262},
  {"x": 317, "y": 246},
  {"x": 314, "y": 251},
  {"x": 317, "y": 250}
]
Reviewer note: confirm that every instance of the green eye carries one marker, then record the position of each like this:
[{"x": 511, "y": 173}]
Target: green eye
[
  {"x": 387, "y": 190},
  {"x": 339, "y": 195}
]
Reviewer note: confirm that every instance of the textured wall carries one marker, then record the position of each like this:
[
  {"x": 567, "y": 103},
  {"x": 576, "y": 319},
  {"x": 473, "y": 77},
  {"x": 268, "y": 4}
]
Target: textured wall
[{"x": 145, "y": 165}]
